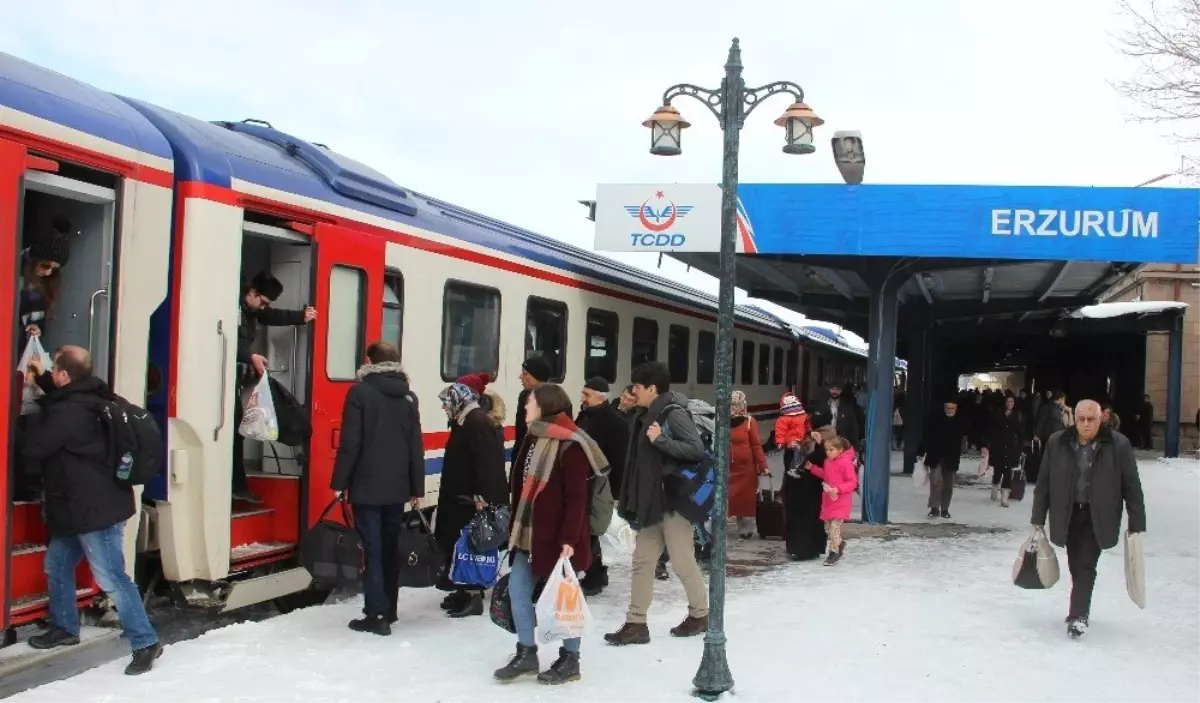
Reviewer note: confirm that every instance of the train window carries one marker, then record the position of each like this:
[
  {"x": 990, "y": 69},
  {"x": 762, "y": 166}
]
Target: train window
[
  {"x": 793, "y": 360},
  {"x": 470, "y": 330},
  {"x": 777, "y": 367},
  {"x": 747, "y": 362},
  {"x": 393, "y": 307},
  {"x": 344, "y": 341},
  {"x": 645, "y": 341},
  {"x": 546, "y": 334},
  {"x": 764, "y": 364},
  {"x": 679, "y": 351},
  {"x": 601, "y": 360},
  {"x": 706, "y": 357}
]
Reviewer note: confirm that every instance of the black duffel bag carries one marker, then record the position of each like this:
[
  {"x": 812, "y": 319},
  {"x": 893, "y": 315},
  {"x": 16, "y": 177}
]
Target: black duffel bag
[
  {"x": 422, "y": 563},
  {"x": 488, "y": 529},
  {"x": 331, "y": 551}
]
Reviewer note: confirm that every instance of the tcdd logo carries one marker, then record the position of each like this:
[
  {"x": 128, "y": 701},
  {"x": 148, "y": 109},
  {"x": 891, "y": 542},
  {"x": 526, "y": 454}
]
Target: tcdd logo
[{"x": 656, "y": 221}]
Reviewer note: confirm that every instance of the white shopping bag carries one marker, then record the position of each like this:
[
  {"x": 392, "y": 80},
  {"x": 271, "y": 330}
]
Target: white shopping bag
[
  {"x": 1135, "y": 569},
  {"x": 619, "y": 539},
  {"x": 562, "y": 612},
  {"x": 30, "y": 392},
  {"x": 258, "y": 418},
  {"x": 920, "y": 475}
]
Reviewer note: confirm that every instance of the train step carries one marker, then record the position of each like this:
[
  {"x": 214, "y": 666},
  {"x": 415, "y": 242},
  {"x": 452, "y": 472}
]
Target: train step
[
  {"x": 39, "y": 601},
  {"x": 250, "y": 525},
  {"x": 245, "y": 556}
]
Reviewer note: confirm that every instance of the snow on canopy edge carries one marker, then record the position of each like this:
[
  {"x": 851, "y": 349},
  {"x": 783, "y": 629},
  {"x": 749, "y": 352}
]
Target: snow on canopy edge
[{"x": 1106, "y": 310}]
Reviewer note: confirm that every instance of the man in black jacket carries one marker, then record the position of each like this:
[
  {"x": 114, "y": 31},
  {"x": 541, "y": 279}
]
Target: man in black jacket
[
  {"x": 841, "y": 413},
  {"x": 381, "y": 466},
  {"x": 603, "y": 423},
  {"x": 941, "y": 445},
  {"x": 257, "y": 297},
  {"x": 663, "y": 438},
  {"x": 85, "y": 508},
  {"x": 1088, "y": 471},
  {"x": 534, "y": 372}
]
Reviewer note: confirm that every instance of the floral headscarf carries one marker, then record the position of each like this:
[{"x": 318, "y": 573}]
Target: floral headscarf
[
  {"x": 737, "y": 404},
  {"x": 458, "y": 399}
]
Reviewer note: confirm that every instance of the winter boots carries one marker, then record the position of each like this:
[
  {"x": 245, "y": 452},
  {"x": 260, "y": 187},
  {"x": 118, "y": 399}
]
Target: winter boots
[
  {"x": 564, "y": 669},
  {"x": 835, "y": 557},
  {"x": 375, "y": 625},
  {"x": 143, "y": 659},
  {"x": 473, "y": 605},
  {"x": 1004, "y": 498},
  {"x": 660, "y": 571},
  {"x": 995, "y": 492},
  {"x": 54, "y": 637},
  {"x": 630, "y": 633},
  {"x": 1077, "y": 627},
  {"x": 595, "y": 581},
  {"x": 523, "y": 663},
  {"x": 690, "y": 627},
  {"x": 455, "y": 601}
]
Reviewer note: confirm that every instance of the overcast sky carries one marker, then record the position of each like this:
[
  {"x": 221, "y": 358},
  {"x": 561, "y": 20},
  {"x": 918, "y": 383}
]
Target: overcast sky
[{"x": 518, "y": 109}]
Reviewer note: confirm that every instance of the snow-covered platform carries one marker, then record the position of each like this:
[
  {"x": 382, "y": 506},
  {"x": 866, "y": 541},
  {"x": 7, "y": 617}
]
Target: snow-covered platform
[{"x": 899, "y": 619}]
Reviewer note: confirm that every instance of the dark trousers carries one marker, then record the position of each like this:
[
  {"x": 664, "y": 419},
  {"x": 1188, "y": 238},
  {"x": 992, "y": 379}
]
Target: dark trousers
[
  {"x": 597, "y": 555},
  {"x": 897, "y": 436},
  {"x": 1083, "y": 554},
  {"x": 941, "y": 487},
  {"x": 380, "y": 526},
  {"x": 1002, "y": 476},
  {"x": 240, "y": 484},
  {"x": 1147, "y": 436}
]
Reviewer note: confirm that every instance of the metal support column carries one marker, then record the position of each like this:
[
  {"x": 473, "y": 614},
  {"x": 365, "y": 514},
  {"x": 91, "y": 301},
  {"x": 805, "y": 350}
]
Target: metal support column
[
  {"x": 881, "y": 368},
  {"x": 1174, "y": 386},
  {"x": 914, "y": 399}
]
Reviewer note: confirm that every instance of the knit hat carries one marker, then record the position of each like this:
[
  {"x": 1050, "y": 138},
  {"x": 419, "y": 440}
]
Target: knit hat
[
  {"x": 55, "y": 246},
  {"x": 597, "y": 383},
  {"x": 790, "y": 405},
  {"x": 476, "y": 382},
  {"x": 538, "y": 367},
  {"x": 267, "y": 286}
]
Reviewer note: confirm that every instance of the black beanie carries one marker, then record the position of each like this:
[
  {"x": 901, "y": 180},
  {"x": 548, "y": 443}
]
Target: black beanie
[
  {"x": 596, "y": 383},
  {"x": 538, "y": 367},
  {"x": 267, "y": 286},
  {"x": 55, "y": 246}
]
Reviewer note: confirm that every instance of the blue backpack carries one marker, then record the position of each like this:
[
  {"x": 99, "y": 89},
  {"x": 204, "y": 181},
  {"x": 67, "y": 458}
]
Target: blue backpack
[
  {"x": 474, "y": 567},
  {"x": 697, "y": 480}
]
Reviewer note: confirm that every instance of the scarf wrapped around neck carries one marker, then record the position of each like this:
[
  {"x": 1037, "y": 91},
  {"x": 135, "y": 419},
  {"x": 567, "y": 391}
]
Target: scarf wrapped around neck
[{"x": 546, "y": 442}]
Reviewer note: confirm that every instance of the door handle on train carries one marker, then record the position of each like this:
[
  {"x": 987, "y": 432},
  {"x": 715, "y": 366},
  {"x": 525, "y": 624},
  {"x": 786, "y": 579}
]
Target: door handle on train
[
  {"x": 92, "y": 317},
  {"x": 295, "y": 355},
  {"x": 221, "y": 384}
]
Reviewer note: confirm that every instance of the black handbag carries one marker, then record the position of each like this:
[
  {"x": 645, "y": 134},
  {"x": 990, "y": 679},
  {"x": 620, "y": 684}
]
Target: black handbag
[
  {"x": 488, "y": 529},
  {"x": 331, "y": 551},
  {"x": 500, "y": 607},
  {"x": 422, "y": 563}
]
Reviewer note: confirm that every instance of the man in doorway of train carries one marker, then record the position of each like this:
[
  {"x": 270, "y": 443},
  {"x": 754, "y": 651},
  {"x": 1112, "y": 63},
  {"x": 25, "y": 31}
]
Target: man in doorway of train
[
  {"x": 380, "y": 468},
  {"x": 663, "y": 438},
  {"x": 85, "y": 508},
  {"x": 839, "y": 413},
  {"x": 257, "y": 297},
  {"x": 534, "y": 372}
]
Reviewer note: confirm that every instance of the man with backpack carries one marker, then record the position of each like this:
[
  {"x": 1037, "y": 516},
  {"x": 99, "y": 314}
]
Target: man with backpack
[
  {"x": 86, "y": 504},
  {"x": 665, "y": 449},
  {"x": 602, "y": 422}
]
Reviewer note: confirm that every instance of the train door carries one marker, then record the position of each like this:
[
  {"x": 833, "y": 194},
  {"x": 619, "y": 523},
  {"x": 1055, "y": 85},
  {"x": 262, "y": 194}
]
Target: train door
[
  {"x": 349, "y": 284},
  {"x": 12, "y": 171}
]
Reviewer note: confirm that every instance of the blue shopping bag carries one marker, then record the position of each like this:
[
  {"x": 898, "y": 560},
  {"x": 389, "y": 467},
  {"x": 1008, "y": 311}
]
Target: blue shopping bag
[{"x": 472, "y": 567}]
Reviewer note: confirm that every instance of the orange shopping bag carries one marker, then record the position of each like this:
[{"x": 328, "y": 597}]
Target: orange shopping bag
[{"x": 562, "y": 612}]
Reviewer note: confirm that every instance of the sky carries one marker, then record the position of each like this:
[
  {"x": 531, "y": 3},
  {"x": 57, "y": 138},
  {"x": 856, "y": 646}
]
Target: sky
[{"x": 517, "y": 110}]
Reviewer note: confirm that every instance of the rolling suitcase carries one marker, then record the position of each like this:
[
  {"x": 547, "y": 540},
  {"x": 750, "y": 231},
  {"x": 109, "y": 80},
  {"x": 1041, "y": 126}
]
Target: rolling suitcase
[
  {"x": 769, "y": 514},
  {"x": 1017, "y": 486}
]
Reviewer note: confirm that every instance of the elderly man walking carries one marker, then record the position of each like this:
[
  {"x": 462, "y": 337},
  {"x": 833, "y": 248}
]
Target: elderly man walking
[{"x": 1088, "y": 472}]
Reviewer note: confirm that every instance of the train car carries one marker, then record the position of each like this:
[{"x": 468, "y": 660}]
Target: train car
[{"x": 208, "y": 205}]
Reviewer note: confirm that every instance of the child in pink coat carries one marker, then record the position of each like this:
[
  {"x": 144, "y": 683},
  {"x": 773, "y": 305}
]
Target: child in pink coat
[{"x": 840, "y": 479}]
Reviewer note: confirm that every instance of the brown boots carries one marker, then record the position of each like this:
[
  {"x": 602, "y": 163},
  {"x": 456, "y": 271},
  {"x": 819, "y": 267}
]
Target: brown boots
[{"x": 639, "y": 633}]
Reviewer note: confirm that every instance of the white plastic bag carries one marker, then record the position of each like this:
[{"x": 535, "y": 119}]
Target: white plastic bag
[
  {"x": 30, "y": 392},
  {"x": 920, "y": 475},
  {"x": 562, "y": 612},
  {"x": 619, "y": 538},
  {"x": 1135, "y": 569},
  {"x": 258, "y": 418}
]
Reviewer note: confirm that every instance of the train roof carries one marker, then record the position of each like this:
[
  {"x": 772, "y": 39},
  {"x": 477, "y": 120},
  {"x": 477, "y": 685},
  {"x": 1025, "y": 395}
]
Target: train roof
[{"x": 51, "y": 96}]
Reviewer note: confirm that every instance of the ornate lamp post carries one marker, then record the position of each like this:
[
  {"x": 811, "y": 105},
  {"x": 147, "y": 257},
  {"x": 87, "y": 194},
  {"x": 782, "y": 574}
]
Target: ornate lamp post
[{"x": 730, "y": 104}]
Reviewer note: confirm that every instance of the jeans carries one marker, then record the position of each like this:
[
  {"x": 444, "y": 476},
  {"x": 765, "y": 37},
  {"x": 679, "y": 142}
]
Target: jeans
[
  {"x": 107, "y": 562},
  {"x": 380, "y": 527},
  {"x": 520, "y": 593},
  {"x": 1083, "y": 554}
]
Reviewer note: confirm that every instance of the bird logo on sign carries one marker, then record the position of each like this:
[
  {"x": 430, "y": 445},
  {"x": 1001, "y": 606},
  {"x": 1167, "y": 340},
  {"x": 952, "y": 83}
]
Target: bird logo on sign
[{"x": 660, "y": 218}]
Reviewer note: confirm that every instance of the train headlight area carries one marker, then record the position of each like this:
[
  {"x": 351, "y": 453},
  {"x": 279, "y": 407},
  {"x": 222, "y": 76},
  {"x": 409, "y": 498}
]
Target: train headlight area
[{"x": 948, "y": 318}]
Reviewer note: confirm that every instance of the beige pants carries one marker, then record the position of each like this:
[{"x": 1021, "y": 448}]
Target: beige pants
[{"x": 676, "y": 532}]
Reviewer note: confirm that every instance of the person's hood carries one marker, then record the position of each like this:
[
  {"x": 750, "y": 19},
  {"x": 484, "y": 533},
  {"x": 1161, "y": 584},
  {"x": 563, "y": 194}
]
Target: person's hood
[
  {"x": 668, "y": 398},
  {"x": 90, "y": 385},
  {"x": 387, "y": 377}
]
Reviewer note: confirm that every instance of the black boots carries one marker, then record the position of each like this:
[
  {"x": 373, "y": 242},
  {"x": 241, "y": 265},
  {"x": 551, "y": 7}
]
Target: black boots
[
  {"x": 564, "y": 669},
  {"x": 595, "y": 581},
  {"x": 455, "y": 601},
  {"x": 376, "y": 625},
  {"x": 1077, "y": 627},
  {"x": 143, "y": 659},
  {"x": 54, "y": 637},
  {"x": 523, "y": 663},
  {"x": 630, "y": 633},
  {"x": 473, "y": 605}
]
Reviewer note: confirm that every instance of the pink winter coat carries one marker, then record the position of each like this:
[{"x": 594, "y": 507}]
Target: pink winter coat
[{"x": 840, "y": 474}]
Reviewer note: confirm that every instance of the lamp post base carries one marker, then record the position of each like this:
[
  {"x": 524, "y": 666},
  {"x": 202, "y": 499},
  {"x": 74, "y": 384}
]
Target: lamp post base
[{"x": 714, "y": 677}]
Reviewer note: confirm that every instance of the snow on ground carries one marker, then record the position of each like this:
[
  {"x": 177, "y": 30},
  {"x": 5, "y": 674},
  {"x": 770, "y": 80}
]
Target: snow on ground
[{"x": 908, "y": 619}]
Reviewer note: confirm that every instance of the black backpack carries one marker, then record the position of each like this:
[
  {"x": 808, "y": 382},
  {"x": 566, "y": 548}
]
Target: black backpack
[
  {"x": 295, "y": 428},
  {"x": 136, "y": 449}
]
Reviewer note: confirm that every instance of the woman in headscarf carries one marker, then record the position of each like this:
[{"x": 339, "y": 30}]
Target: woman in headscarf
[
  {"x": 472, "y": 477},
  {"x": 549, "y": 492},
  {"x": 802, "y": 493},
  {"x": 747, "y": 461}
]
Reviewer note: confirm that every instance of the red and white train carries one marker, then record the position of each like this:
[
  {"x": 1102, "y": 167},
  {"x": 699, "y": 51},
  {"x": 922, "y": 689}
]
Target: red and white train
[{"x": 172, "y": 213}]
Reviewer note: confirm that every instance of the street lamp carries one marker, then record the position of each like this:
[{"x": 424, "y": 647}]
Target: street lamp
[
  {"x": 849, "y": 155},
  {"x": 730, "y": 104}
]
